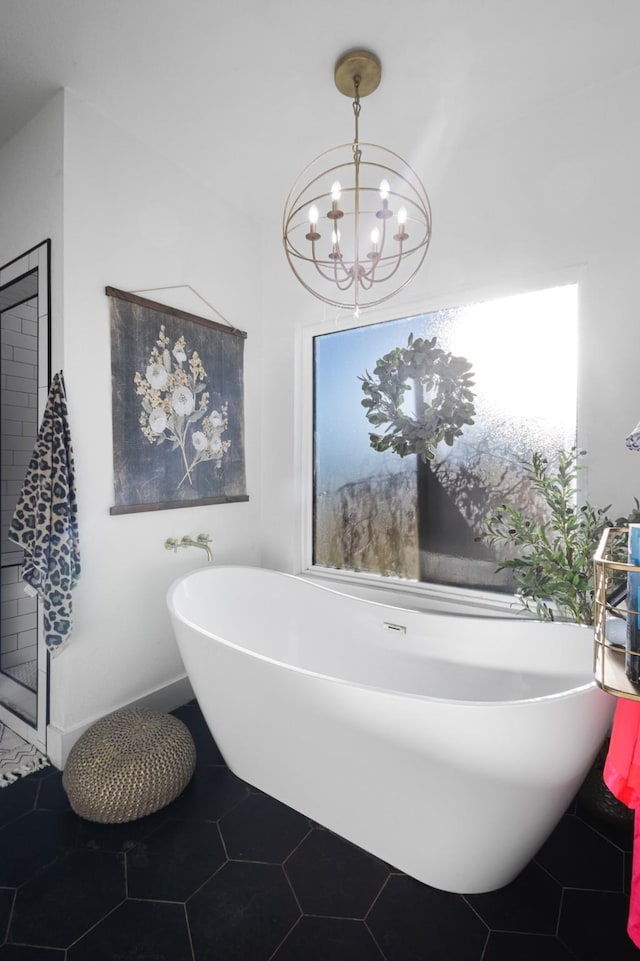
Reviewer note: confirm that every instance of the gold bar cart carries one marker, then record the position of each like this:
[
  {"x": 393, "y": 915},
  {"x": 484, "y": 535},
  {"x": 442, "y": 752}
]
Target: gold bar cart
[{"x": 610, "y": 619}]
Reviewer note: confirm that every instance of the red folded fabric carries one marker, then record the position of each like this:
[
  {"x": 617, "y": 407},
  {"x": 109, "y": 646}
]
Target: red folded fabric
[
  {"x": 633, "y": 922},
  {"x": 622, "y": 766},
  {"x": 622, "y": 777}
]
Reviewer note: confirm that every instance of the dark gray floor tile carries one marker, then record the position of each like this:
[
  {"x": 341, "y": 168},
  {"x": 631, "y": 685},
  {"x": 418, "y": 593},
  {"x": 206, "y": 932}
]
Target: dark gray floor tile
[
  {"x": 211, "y": 793},
  {"x": 173, "y": 862},
  {"x": 243, "y": 912},
  {"x": 593, "y": 924},
  {"x": 17, "y": 799},
  {"x": 413, "y": 922},
  {"x": 628, "y": 870},
  {"x": 334, "y": 878},
  {"x": 6, "y": 904},
  {"x": 67, "y": 898},
  {"x": 52, "y": 796},
  {"x": 531, "y": 904},
  {"x": 262, "y": 829},
  {"x": 329, "y": 939},
  {"x": 617, "y": 831},
  {"x": 19, "y": 952},
  {"x": 93, "y": 836},
  {"x": 506, "y": 946},
  {"x": 578, "y": 857},
  {"x": 137, "y": 931},
  {"x": 33, "y": 841}
]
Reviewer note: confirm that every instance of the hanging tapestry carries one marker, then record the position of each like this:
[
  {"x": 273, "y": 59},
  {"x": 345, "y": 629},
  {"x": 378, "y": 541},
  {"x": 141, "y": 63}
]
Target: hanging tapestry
[{"x": 177, "y": 407}]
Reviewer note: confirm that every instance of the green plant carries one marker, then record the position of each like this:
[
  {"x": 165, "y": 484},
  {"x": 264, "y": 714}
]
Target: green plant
[{"x": 553, "y": 569}]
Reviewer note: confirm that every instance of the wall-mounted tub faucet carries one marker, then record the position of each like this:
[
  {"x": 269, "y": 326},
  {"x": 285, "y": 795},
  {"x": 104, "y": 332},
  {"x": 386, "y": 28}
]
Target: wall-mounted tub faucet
[{"x": 202, "y": 540}]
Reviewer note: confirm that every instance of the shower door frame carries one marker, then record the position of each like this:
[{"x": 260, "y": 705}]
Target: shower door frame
[{"x": 36, "y": 259}]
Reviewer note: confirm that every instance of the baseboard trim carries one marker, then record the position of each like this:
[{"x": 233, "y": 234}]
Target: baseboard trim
[{"x": 165, "y": 698}]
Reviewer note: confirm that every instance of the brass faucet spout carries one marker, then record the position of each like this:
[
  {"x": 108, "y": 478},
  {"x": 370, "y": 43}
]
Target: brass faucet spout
[{"x": 202, "y": 540}]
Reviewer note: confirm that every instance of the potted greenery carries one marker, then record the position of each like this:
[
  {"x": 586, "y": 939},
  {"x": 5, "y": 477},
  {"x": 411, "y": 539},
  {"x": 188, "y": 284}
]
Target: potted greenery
[
  {"x": 553, "y": 572},
  {"x": 553, "y": 562}
]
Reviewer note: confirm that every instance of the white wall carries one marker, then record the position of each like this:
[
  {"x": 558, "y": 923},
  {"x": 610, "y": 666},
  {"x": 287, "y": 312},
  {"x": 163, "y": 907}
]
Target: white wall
[
  {"x": 31, "y": 192},
  {"x": 549, "y": 196},
  {"x": 130, "y": 221}
]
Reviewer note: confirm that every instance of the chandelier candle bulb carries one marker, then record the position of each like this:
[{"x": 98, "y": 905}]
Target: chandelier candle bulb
[
  {"x": 402, "y": 219},
  {"x": 375, "y": 237},
  {"x": 384, "y": 213},
  {"x": 335, "y": 213},
  {"x": 313, "y": 234}
]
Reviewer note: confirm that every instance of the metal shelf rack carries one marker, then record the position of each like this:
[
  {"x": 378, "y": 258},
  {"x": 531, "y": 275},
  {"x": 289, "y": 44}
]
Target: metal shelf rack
[{"x": 611, "y": 658}]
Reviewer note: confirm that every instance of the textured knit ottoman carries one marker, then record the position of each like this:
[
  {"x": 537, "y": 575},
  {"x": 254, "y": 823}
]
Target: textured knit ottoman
[{"x": 128, "y": 764}]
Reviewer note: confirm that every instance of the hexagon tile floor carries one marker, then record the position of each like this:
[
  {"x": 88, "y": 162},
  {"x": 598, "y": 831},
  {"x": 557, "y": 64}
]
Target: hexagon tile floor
[{"x": 226, "y": 873}]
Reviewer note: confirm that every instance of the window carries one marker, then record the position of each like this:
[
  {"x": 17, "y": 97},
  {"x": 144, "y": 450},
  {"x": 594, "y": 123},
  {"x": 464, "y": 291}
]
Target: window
[{"x": 381, "y": 507}]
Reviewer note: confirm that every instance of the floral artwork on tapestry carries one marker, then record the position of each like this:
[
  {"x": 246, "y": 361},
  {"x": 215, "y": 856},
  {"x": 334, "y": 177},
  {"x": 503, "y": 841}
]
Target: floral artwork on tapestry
[{"x": 177, "y": 407}]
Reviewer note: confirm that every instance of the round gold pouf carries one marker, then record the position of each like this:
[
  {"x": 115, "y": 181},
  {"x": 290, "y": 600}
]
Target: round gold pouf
[{"x": 128, "y": 764}]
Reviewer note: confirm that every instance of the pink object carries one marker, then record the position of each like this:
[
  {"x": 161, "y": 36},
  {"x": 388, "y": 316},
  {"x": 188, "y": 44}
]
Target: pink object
[
  {"x": 622, "y": 777},
  {"x": 622, "y": 766},
  {"x": 633, "y": 923}
]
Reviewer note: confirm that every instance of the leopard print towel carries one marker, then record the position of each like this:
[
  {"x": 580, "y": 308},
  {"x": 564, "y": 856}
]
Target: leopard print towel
[{"x": 45, "y": 523}]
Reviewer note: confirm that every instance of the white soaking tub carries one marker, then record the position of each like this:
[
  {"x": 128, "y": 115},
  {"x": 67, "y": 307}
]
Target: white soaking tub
[{"x": 449, "y": 746}]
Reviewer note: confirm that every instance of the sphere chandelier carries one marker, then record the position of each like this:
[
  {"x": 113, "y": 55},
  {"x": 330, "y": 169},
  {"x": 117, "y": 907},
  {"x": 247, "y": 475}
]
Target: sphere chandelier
[{"x": 357, "y": 221}]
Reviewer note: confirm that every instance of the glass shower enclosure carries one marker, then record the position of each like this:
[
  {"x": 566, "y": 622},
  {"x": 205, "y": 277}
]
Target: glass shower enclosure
[{"x": 25, "y": 373}]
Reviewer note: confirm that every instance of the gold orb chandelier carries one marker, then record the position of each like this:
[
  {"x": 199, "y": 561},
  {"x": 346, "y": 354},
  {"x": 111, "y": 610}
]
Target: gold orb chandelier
[{"x": 357, "y": 221}]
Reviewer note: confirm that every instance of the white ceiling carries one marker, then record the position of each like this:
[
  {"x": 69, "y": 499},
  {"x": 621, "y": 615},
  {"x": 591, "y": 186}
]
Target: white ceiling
[{"x": 240, "y": 93}]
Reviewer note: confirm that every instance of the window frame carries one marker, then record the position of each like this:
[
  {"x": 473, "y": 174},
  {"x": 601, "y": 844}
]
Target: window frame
[{"x": 391, "y": 589}]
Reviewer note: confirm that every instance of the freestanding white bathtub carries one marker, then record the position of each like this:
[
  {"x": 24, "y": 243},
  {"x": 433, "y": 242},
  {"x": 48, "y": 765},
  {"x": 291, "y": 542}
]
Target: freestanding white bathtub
[{"x": 448, "y": 746}]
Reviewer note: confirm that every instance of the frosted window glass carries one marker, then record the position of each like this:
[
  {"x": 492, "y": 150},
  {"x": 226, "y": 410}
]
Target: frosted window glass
[{"x": 523, "y": 350}]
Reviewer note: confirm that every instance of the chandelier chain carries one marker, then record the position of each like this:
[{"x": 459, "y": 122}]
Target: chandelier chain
[{"x": 357, "y": 153}]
